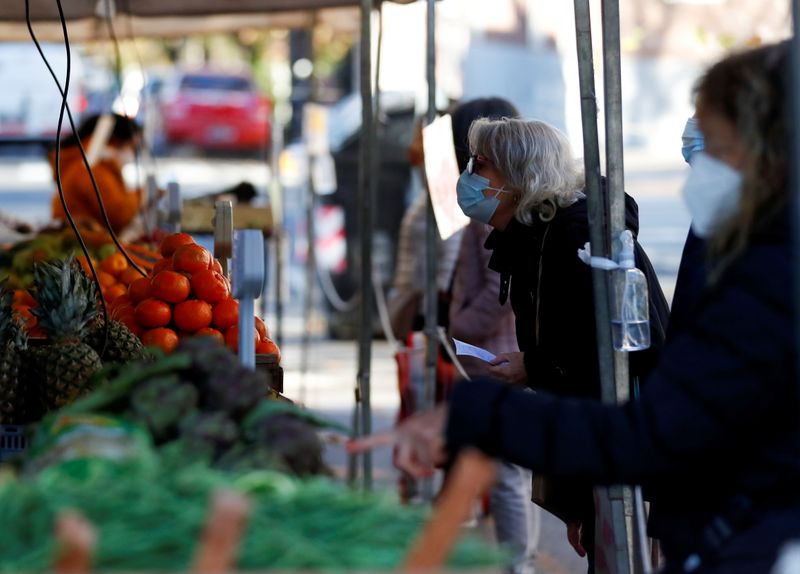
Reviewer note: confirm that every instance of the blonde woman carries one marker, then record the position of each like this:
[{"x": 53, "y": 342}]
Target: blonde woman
[{"x": 523, "y": 180}]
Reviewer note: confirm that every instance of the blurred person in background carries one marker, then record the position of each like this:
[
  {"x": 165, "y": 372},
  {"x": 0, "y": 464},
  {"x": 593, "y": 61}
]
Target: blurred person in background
[
  {"x": 406, "y": 303},
  {"x": 477, "y": 317},
  {"x": 713, "y": 436},
  {"x": 122, "y": 204},
  {"x": 523, "y": 180}
]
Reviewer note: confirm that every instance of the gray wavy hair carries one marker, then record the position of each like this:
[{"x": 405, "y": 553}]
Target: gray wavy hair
[{"x": 534, "y": 158}]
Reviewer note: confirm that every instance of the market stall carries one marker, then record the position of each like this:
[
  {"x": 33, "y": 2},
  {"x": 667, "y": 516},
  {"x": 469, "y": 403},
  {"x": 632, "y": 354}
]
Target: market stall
[{"x": 114, "y": 415}]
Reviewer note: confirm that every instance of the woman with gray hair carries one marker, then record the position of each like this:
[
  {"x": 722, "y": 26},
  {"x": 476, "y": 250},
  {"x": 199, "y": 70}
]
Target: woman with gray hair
[{"x": 523, "y": 180}]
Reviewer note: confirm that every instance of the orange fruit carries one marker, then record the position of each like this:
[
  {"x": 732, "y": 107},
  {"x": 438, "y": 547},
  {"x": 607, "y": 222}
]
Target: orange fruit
[
  {"x": 114, "y": 264},
  {"x": 115, "y": 291},
  {"x": 209, "y": 332},
  {"x": 153, "y": 313},
  {"x": 130, "y": 322},
  {"x": 216, "y": 266},
  {"x": 122, "y": 300},
  {"x": 226, "y": 314},
  {"x": 171, "y": 242},
  {"x": 170, "y": 286},
  {"x": 232, "y": 338},
  {"x": 129, "y": 276},
  {"x": 192, "y": 315},
  {"x": 191, "y": 258},
  {"x": 210, "y": 286},
  {"x": 106, "y": 279},
  {"x": 23, "y": 313},
  {"x": 166, "y": 339},
  {"x": 139, "y": 290},
  {"x": 84, "y": 263},
  {"x": 24, "y": 297},
  {"x": 267, "y": 346},
  {"x": 162, "y": 265},
  {"x": 261, "y": 327},
  {"x": 117, "y": 312}
]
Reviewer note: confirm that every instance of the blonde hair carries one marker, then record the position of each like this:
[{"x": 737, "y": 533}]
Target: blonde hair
[{"x": 534, "y": 158}]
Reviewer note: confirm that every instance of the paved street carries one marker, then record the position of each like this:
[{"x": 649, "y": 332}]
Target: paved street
[{"x": 327, "y": 383}]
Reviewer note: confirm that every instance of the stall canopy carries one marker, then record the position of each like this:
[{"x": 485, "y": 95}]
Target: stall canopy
[{"x": 161, "y": 18}]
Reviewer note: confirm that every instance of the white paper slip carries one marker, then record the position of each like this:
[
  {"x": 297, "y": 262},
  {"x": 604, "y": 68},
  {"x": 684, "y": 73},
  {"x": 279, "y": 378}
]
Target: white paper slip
[{"x": 463, "y": 348}]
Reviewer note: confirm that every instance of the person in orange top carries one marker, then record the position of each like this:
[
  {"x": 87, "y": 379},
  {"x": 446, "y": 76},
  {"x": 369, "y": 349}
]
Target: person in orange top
[{"x": 121, "y": 204}]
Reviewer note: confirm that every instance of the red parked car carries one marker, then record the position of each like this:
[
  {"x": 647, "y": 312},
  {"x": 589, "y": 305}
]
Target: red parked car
[{"x": 215, "y": 111}]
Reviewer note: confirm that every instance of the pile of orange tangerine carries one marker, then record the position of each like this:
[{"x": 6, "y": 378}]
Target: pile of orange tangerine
[{"x": 186, "y": 294}]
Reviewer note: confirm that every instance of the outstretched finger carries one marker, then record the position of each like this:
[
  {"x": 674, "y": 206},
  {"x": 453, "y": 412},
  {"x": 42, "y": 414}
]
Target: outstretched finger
[{"x": 371, "y": 442}]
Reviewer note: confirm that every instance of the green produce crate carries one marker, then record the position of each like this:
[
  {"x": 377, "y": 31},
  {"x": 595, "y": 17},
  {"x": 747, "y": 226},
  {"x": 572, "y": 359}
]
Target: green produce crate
[{"x": 12, "y": 441}]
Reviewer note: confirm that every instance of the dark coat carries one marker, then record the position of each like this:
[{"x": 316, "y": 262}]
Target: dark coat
[
  {"x": 689, "y": 285},
  {"x": 717, "y": 420},
  {"x": 565, "y": 359}
]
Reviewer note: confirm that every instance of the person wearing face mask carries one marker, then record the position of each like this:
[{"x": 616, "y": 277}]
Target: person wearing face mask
[
  {"x": 121, "y": 204},
  {"x": 523, "y": 181},
  {"x": 713, "y": 437},
  {"x": 691, "y": 278},
  {"x": 477, "y": 317},
  {"x": 405, "y": 302}
]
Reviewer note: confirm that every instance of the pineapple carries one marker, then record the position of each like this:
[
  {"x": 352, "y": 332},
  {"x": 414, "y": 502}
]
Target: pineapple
[
  {"x": 13, "y": 342},
  {"x": 67, "y": 305},
  {"x": 121, "y": 346}
]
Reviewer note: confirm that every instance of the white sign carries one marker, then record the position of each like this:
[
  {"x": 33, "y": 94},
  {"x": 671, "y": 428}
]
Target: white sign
[{"x": 441, "y": 175}]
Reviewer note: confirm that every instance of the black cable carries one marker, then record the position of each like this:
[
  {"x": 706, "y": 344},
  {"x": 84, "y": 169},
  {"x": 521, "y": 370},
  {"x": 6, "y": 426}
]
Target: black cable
[
  {"x": 64, "y": 106},
  {"x": 100, "y": 202}
]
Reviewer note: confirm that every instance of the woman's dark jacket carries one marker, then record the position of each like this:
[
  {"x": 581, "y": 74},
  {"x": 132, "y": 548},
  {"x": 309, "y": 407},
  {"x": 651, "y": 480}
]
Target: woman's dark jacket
[
  {"x": 565, "y": 359},
  {"x": 717, "y": 420},
  {"x": 561, "y": 308}
]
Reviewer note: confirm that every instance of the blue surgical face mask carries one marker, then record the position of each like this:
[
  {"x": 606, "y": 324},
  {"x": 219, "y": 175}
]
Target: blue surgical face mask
[
  {"x": 692, "y": 138},
  {"x": 471, "y": 199}
]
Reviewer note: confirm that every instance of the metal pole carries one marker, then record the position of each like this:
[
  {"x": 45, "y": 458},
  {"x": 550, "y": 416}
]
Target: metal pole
[
  {"x": 599, "y": 236},
  {"x": 600, "y": 241},
  {"x": 276, "y": 205},
  {"x": 621, "y": 498},
  {"x": 308, "y": 299},
  {"x": 365, "y": 197},
  {"x": 794, "y": 94},
  {"x": 431, "y": 239}
]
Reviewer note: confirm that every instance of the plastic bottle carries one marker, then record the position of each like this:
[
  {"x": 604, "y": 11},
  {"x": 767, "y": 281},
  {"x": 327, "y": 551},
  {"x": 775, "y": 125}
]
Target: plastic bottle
[{"x": 630, "y": 314}]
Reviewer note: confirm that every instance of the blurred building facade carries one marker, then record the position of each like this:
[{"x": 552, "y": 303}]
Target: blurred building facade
[{"x": 525, "y": 51}]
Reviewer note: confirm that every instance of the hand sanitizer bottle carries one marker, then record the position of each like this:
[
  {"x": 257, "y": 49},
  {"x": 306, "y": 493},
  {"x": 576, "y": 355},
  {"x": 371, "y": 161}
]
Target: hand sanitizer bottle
[{"x": 630, "y": 316}]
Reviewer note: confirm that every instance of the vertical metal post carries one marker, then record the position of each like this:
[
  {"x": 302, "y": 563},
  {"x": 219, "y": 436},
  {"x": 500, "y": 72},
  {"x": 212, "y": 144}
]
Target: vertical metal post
[
  {"x": 365, "y": 198},
  {"x": 621, "y": 498},
  {"x": 794, "y": 94},
  {"x": 277, "y": 205},
  {"x": 599, "y": 236},
  {"x": 223, "y": 234},
  {"x": 431, "y": 239},
  {"x": 308, "y": 295}
]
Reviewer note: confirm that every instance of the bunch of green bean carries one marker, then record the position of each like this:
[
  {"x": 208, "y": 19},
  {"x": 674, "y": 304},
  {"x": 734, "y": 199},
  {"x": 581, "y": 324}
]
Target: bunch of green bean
[{"x": 148, "y": 519}]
